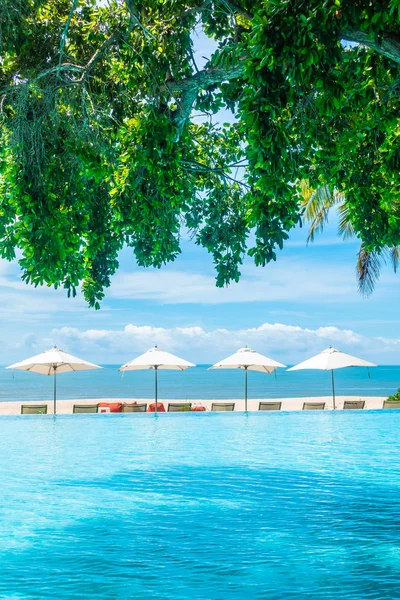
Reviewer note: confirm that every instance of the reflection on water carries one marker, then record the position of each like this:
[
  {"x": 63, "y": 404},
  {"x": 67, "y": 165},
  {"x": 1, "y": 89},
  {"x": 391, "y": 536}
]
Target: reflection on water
[{"x": 201, "y": 506}]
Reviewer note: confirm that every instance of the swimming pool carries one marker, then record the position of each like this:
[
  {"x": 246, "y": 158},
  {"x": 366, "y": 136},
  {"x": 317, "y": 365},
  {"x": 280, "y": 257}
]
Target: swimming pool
[{"x": 201, "y": 506}]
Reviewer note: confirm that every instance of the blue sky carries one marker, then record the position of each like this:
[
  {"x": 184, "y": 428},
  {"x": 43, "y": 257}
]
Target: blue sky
[{"x": 289, "y": 310}]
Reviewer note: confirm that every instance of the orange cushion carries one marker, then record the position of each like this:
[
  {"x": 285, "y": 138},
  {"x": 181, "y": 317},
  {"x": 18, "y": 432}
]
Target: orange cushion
[
  {"x": 113, "y": 406},
  {"x": 160, "y": 407},
  {"x": 198, "y": 408}
]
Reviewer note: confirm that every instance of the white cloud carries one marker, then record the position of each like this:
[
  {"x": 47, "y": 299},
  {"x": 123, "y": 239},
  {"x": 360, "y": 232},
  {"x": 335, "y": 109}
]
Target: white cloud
[
  {"x": 288, "y": 343},
  {"x": 24, "y": 303},
  {"x": 289, "y": 280}
]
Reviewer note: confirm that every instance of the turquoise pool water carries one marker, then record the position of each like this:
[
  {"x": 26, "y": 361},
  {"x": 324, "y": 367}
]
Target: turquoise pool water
[{"x": 201, "y": 506}]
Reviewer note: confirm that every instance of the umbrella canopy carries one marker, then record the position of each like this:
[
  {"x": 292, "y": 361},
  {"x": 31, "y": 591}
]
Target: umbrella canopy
[
  {"x": 156, "y": 359},
  {"x": 52, "y": 362},
  {"x": 55, "y": 358},
  {"x": 331, "y": 359},
  {"x": 249, "y": 360}
]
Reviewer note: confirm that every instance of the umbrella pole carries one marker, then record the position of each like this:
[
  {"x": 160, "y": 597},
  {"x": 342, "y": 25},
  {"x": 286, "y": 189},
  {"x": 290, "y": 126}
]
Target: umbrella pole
[
  {"x": 155, "y": 385},
  {"x": 245, "y": 389},
  {"x": 333, "y": 390},
  {"x": 55, "y": 389}
]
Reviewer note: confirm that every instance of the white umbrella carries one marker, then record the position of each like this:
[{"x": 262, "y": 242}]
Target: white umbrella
[
  {"x": 52, "y": 362},
  {"x": 331, "y": 359},
  {"x": 156, "y": 359},
  {"x": 249, "y": 360}
]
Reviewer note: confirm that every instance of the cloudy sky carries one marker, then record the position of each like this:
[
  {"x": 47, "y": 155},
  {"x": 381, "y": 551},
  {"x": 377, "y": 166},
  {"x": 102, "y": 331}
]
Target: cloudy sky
[{"x": 290, "y": 310}]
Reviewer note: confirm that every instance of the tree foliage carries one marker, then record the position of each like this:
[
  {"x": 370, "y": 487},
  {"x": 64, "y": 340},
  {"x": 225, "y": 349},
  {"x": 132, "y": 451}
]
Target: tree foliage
[
  {"x": 394, "y": 397},
  {"x": 101, "y": 145}
]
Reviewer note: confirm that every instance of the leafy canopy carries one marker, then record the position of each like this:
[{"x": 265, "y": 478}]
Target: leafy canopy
[{"x": 101, "y": 144}]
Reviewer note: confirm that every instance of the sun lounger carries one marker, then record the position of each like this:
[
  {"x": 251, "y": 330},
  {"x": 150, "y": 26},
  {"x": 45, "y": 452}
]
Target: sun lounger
[
  {"x": 223, "y": 406},
  {"x": 85, "y": 408},
  {"x": 179, "y": 407},
  {"x": 33, "y": 409},
  {"x": 354, "y": 404},
  {"x": 111, "y": 406},
  {"x": 314, "y": 406},
  {"x": 160, "y": 407},
  {"x": 134, "y": 407},
  {"x": 394, "y": 404},
  {"x": 270, "y": 406}
]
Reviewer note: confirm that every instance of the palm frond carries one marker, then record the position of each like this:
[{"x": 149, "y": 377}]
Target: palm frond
[
  {"x": 394, "y": 257},
  {"x": 316, "y": 204},
  {"x": 345, "y": 229},
  {"x": 368, "y": 269}
]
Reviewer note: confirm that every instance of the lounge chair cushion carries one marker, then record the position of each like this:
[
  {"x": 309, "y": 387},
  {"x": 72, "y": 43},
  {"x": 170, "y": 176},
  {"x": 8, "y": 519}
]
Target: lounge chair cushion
[
  {"x": 160, "y": 407},
  {"x": 198, "y": 409},
  {"x": 113, "y": 406}
]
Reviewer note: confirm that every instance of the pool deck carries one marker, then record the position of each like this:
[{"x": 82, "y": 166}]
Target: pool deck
[{"x": 65, "y": 406}]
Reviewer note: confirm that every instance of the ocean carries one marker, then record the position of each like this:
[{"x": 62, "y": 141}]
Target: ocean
[{"x": 198, "y": 383}]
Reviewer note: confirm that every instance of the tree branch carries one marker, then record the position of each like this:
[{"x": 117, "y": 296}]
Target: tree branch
[
  {"x": 205, "y": 78},
  {"x": 229, "y": 5},
  {"x": 191, "y": 165},
  {"x": 130, "y": 5},
  {"x": 99, "y": 53},
  {"x": 190, "y": 87},
  {"x": 82, "y": 69},
  {"x": 387, "y": 43},
  {"x": 235, "y": 8},
  {"x": 65, "y": 32},
  {"x": 63, "y": 67}
]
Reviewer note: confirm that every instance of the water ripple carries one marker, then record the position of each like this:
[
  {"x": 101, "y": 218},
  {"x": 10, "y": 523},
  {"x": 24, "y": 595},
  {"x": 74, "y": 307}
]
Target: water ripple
[{"x": 223, "y": 507}]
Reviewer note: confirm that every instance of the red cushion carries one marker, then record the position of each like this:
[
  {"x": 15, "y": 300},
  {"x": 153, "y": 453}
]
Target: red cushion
[
  {"x": 113, "y": 406},
  {"x": 160, "y": 407},
  {"x": 198, "y": 408}
]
